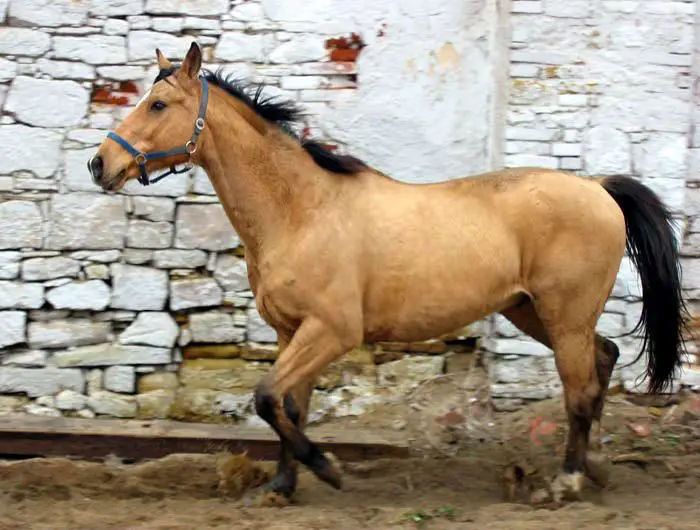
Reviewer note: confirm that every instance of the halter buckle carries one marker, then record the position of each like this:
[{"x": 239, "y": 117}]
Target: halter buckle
[
  {"x": 191, "y": 147},
  {"x": 199, "y": 124},
  {"x": 140, "y": 159}
]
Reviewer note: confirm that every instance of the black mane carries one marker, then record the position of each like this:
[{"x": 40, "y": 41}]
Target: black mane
[{"x": 281, "y": 112}]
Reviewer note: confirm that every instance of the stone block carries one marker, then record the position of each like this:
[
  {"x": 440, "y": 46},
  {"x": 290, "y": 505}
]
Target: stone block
[
  {"x": 258, "y": 330},
  {"x": 662, "y": 156},
  {"x": 232, "y": 273},
  {"x": 17, "y": 295},
  {"x": 211, "y": 351},
  {"x": 19, "y": 145},
  {"x": 195, "y": 292},
  {"x": 187, "y": 7},
  {"x": 120, "y": 379},
  {"x": 86, "y": 220},
  {"x": 216, "y": 327},
  {"x": 221, "y": 374},
  {"x": 37, "y": 382},
  {"x": 47, "y": 103},
  {"x": 20, "y": 225},
  {"x": 154, "y": 208},
  {"x": 41, "y": 269},
  {"x": 235, "y": 46},
  {"x": 299, "y": 49},
  {"x": 70, "y": 400},
  {"x": 149, "y": 234},
  {"x": 9, "y": 265},
  {"x": 80, "y": 295},
  {"x": 204, "y": 226},
  {"x": 13, "y": 325},
  {"x": 142, "y": 45},
  {"x": 112, "y": 355},
  {"x": 155, "y": 404},
  {"x": 67, "y": 333},
  {"x": 151, "y": 329},
  {"x": 526, "y": 370},
  {"x": 110, "y": 404},
  {"x": 179, "y": 259},
  {"x": 138, "y": 288},
  {"x": 98, "y": 49},
  {"x": 524, "y": 160},
  {"x": 66, "y": 69},
  {"x": 26, "y": 358},
  {"x": 531, "y": 134},
  {"x": 23, "y": 42},
  {"x": 607, "y": 151},
  {"x": 116, "y": 8},
  {"x": 52, "y": 14},
  {"x": 158, "y": 381}
]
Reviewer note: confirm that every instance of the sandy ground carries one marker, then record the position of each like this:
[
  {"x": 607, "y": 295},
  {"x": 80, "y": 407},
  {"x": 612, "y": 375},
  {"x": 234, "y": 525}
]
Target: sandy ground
[{"x": 658, "y": 489}]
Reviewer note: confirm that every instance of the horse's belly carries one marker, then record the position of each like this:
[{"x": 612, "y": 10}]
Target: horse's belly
[{"x": 420, "y": 310}]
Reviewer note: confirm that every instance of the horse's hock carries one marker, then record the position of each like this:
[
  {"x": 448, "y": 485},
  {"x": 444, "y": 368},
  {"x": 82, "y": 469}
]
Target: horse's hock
[{"x": 137, "y": 305}]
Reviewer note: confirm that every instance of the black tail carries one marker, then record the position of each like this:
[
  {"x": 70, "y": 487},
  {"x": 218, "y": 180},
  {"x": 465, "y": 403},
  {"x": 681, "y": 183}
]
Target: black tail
[{"x": 653, "y": 248}]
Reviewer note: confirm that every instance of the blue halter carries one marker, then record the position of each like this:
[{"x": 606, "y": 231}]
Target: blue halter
[{"x": 188, "y": 149}]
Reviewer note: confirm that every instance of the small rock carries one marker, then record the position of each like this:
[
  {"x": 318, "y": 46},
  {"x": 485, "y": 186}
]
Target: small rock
[
  {"x": 216, "y": 327},
  {"x": 138, "y": 288},
  {"x": 158, "y": 381},
  {"x": 39, "y": 410},
  {"x": 120, "y": 379},
  {"x": 110, "y": 404},
  {"x": 151, "y": 329},
  {"x": 46, "y": 401},
  {"x": 70, "y": 400},
  {"x": 92, "y": 294},
  {"x": 155, "y": 404},
  {"x": 13, "y": 324},
  {"x": 28, "y": 359},
  {"x": 191, "y": 293}
]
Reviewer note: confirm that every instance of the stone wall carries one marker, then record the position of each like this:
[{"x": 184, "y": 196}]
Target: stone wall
[
  {"x": 137, "y": 304},
  {"x": 603, "y": 87}
]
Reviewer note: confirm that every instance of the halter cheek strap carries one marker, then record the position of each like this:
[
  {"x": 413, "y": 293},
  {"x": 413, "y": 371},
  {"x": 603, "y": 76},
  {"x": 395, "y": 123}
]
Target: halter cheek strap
[{"x": 188, "y": 149}]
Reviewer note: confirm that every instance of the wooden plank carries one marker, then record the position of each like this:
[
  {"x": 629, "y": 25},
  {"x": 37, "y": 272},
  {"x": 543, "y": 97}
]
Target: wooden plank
[{"x": 131, "y": 439}]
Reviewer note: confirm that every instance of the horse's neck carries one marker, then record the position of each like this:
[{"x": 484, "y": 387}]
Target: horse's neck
[{"x": 264, "y": 184}]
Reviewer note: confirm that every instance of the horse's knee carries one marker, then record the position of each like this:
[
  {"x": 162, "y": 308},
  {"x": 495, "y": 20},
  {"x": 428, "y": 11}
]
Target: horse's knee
[
  {"x": 291, "y": 409},
  {"x": 611, "y": 350},
  {"x": 265, "y": 403}
]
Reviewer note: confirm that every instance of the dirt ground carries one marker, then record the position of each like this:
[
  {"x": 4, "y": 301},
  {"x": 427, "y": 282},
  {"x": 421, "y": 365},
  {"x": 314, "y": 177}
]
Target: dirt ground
[{"x": 658, "y": 487}]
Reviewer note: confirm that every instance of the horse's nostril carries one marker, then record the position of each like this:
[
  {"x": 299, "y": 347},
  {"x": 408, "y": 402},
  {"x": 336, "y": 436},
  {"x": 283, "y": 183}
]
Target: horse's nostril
[{"x": 96, "y": 167}]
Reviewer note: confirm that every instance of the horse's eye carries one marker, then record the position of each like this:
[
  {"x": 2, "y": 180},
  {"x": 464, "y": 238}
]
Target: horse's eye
[{"x": 158, "y": 105}]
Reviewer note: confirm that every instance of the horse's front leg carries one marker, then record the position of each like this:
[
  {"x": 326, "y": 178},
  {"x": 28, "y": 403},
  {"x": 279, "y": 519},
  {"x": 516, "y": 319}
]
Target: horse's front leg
[
  {"x": 296, "y": 406},
  {"x": 312, "y": 348}
]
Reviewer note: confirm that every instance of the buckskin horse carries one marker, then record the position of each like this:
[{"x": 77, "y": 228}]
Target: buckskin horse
[{"x": 339, "y": 253}]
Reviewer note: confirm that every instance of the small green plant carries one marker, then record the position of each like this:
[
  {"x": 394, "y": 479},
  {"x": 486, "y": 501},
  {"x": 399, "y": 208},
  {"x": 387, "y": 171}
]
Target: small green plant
[{"x": 420, "y": 517}]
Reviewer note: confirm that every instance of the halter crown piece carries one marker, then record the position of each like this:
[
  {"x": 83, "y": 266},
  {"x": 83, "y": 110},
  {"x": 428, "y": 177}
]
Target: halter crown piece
[{"x": 188, "y": 149}]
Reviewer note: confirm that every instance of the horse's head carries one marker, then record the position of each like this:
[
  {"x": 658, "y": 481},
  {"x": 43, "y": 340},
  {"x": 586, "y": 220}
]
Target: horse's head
[{"x": 162, "y": 130}]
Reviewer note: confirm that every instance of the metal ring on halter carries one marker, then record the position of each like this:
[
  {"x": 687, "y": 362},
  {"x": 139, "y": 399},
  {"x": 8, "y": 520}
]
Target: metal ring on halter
[
  {"x": 140, "y": 159},
  {"x": 199, "y": 124},
  {"x": 191, "y": 147}
]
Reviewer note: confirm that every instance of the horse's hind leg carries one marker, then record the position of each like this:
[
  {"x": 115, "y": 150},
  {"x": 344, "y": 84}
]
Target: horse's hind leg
[
  {"x": 585, "y": 362},
  {"x": 607, "y": 354}
]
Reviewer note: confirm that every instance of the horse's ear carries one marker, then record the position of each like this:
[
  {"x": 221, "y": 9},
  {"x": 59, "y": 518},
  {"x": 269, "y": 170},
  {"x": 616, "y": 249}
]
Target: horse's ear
[
  {"x": 193, "y": 61},
  {"x": 163, "y": 62}
]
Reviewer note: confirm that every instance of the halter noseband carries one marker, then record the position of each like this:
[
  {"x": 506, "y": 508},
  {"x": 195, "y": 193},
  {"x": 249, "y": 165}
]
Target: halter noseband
[{"x": 188, "y": 149}]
